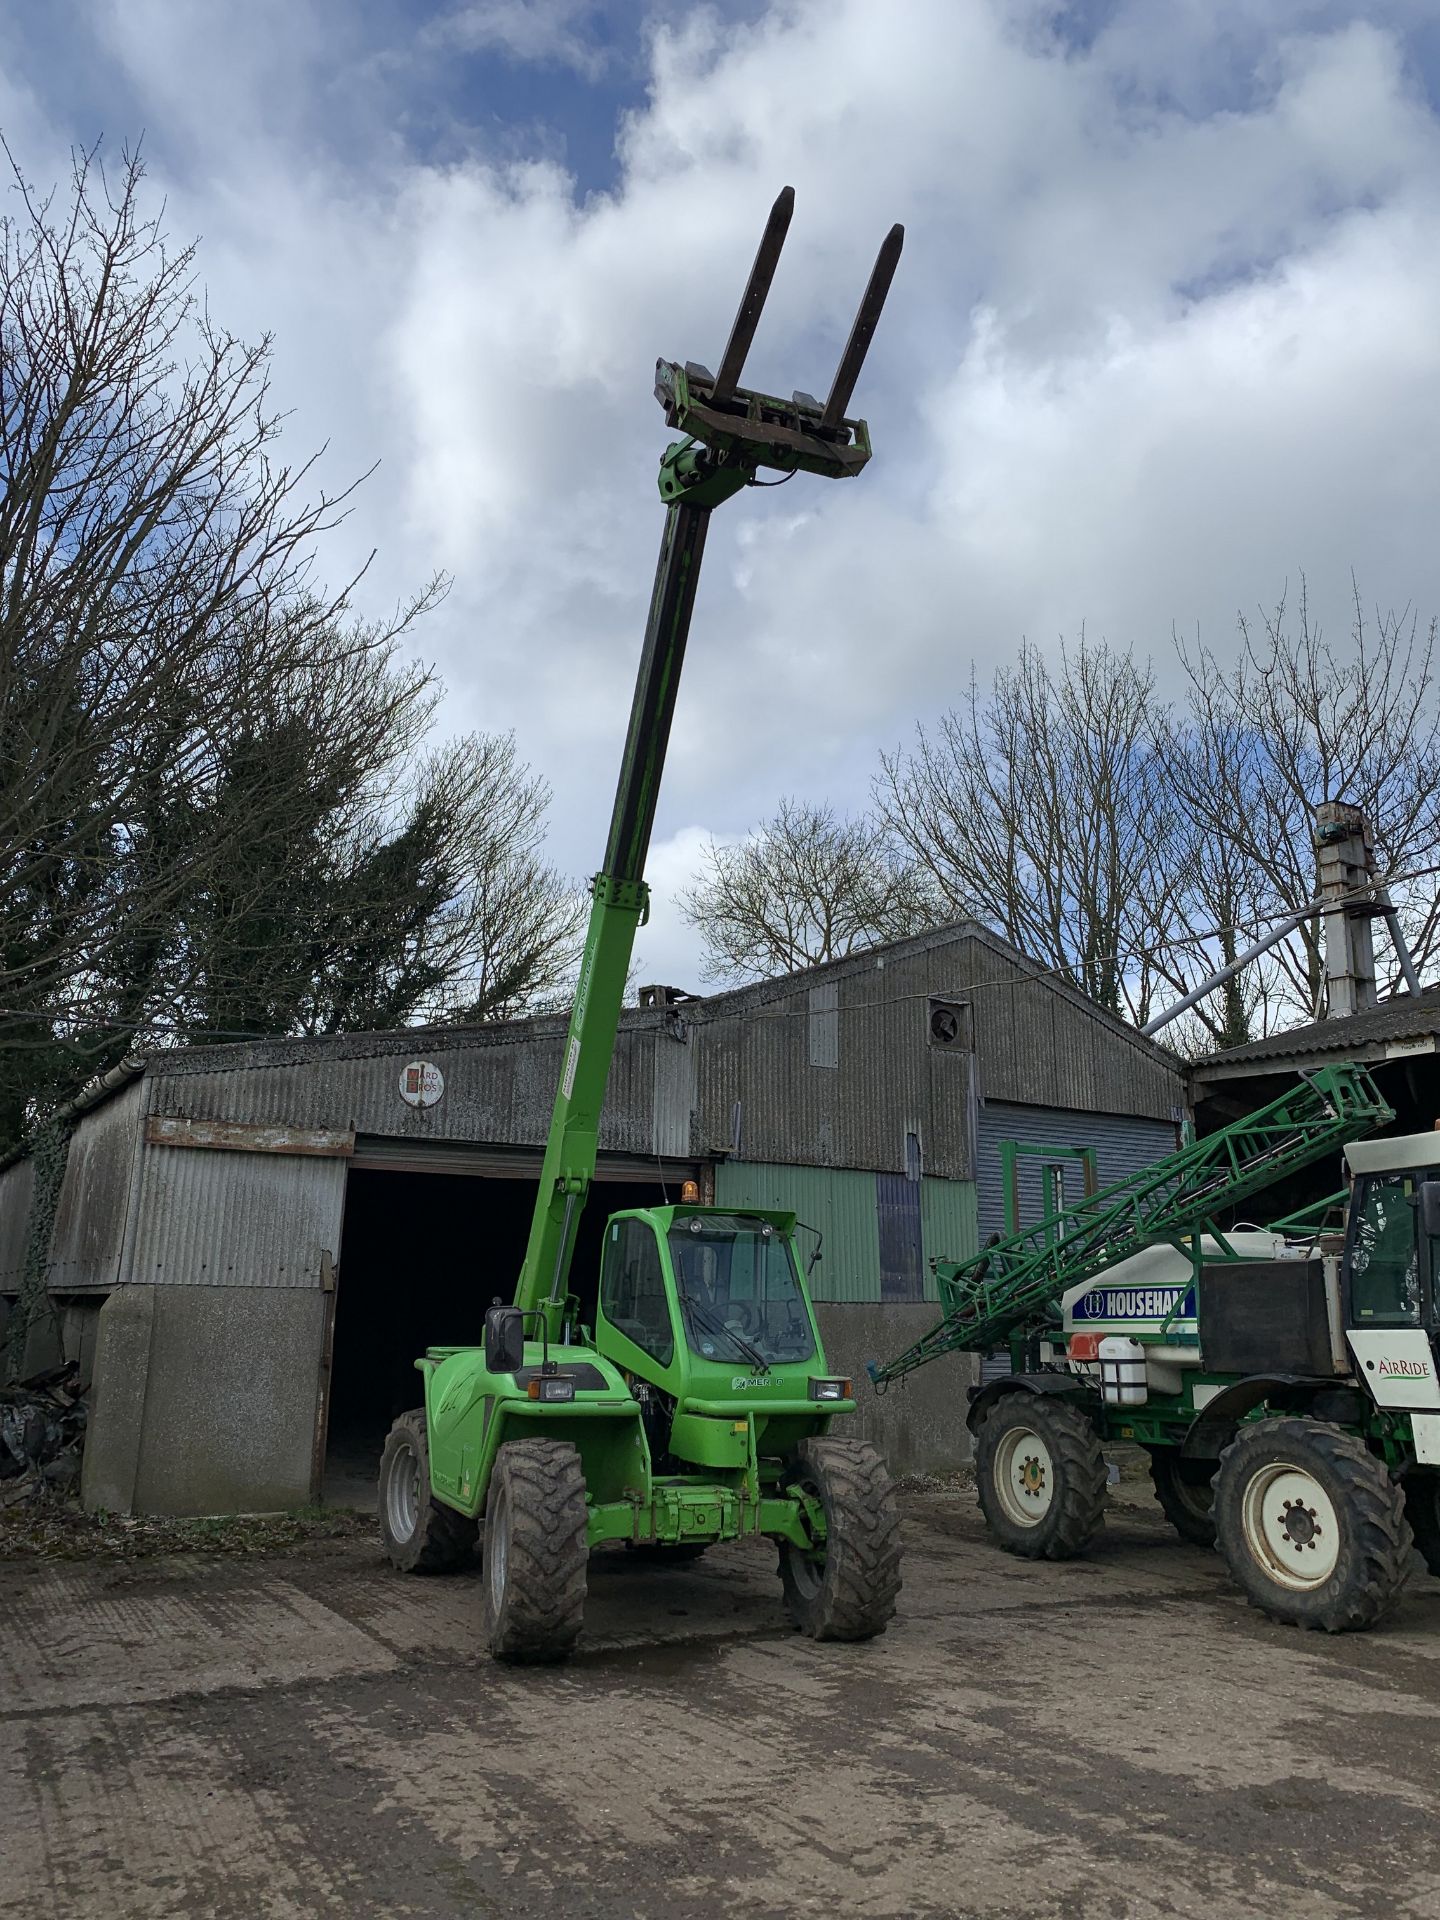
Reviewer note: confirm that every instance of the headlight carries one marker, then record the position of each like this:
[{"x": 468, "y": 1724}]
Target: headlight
[
  {"x": 551, "y": 1386},
  {"x": 829, "y": 1389}
]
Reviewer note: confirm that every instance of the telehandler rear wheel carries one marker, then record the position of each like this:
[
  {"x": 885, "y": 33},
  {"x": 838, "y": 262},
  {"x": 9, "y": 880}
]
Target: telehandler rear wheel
[
  {"x": 846, "y": 1592},
  {"x": 1311, "y": 1525},
  {"x": 1183, "y": 1488},
  {"x": 1422, "y": 1510},
  {"x": 1041, "y": 1476},
  {"x": 535, "y": 1551},
  {"x": 419, "y": 1534}
]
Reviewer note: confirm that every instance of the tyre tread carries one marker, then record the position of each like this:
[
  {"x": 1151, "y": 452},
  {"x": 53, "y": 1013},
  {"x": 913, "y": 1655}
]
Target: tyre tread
[
  {"x": 1078, "y": 1512},
  {"x": 862, "y": 1580},
  {"x": 548, "y": 1552},
  {"x": 1382, "y": 1535},
  {"x": 444, "y": 1540}
]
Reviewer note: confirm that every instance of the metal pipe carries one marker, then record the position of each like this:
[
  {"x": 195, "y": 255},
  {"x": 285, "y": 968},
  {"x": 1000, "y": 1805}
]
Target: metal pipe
[
  {"x": 1222, "y": 974},
  {"x": 1400, "y": 943}
]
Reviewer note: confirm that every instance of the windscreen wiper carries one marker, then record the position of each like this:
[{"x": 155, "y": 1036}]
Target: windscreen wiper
[{"x": 709, "y": 1318}]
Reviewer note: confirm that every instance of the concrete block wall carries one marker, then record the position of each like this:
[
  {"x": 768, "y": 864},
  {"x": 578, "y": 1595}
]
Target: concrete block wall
[
  {"x": 204, "y": 1400},
  {"x": 919, "y": 1422}
]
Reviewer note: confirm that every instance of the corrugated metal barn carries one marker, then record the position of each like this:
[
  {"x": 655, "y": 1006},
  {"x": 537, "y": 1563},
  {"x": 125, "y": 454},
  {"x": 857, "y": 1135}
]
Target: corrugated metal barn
[{"x": 252, "y": 1242}]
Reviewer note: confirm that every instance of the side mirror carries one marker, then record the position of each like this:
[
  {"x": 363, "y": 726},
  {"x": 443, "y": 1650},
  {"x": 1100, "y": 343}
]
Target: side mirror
[
  {"x": 504, "y": 1339},
  {"x": 1430, "y": 1208}
]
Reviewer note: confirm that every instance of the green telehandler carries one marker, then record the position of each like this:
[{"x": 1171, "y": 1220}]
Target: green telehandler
[
  {"x": 696, "y": 1405},
  {"x": 1283, "y": 1379}
]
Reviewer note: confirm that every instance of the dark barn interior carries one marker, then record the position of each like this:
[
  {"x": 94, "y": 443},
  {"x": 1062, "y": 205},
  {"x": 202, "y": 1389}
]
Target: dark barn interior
[{"x": 422, "y": 1256}]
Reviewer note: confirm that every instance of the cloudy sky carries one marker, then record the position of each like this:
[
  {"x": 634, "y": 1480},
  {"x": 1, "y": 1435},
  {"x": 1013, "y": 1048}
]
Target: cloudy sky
[{"x": 1166, "y": 332}]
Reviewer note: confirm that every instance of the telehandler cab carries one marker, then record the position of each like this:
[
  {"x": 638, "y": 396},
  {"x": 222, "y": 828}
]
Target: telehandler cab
[{"x": 697, "y": 1407}]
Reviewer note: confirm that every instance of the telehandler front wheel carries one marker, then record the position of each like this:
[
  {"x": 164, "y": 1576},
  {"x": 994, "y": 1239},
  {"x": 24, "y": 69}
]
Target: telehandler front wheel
[
  {"x": 419, "y": 1534},
  {"x": 536, "y": 1552},
  {"x": 1040, "y": 1476},
  {"x": 1311, "y": 1525},
  {"x": 847, "y": 1590}
]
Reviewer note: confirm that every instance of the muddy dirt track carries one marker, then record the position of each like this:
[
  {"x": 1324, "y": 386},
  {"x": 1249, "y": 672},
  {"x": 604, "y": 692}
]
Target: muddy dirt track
[{"x": 311, "y": 1734}]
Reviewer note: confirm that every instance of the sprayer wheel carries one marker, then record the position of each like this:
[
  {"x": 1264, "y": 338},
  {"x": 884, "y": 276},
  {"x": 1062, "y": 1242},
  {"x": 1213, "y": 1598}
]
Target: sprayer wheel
[
  {"x": 1040, "y": 1475},
  {"x": 1311, "y": 1524},
  {"x": 1183, "y": 1488}
]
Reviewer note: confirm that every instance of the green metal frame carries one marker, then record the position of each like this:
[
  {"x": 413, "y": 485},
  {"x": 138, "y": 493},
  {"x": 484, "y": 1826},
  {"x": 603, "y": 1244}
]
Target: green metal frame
[
  {"x": 1013, "y": 1151},
  {"x": 1011, "y": 1291}
]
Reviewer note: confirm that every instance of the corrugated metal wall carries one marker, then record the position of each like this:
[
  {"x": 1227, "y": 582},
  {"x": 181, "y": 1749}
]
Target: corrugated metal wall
[
  {"x": 1122, "y": 1143},
  {"x": 845, "y": 1206},
  {"x": 839, "y": 1204},
  {"x": 1042, "y": 1043},
  {"x": 95, "y": 1196},
  {"x": 499, "y": 1087},
  {"x": 236, "y": 1219},
  {"x": 834, "y": 1076},
  {"x": 17, "y": 1188}
]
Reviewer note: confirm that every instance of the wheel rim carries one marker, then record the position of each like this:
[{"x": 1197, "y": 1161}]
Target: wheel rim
[
  {"x": 1024, "y": 1476},
  {"x": 402, "y": 1491},
  {"x": 497, "y": 1549},
  {"x": 1291, "y": 1527}
]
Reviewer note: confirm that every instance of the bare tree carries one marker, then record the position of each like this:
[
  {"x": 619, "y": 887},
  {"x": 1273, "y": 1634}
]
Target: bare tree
[
  {"x": 216, "y": 813},
  {"x": 809, "y": 886},
  {"x": 1294, "y": 722},
  {"x": 1045, "y": 809}
]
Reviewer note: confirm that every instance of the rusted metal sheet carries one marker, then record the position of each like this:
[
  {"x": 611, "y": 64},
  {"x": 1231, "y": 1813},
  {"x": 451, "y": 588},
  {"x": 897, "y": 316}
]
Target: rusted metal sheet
[
  {"x": 87, "y": 1246},
  {"x": 241, "y": 1136}
]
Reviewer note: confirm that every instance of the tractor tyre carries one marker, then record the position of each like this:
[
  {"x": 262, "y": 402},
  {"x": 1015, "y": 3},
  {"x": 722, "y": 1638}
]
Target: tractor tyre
[
  {"x": 1186, "y": 1494},
  {"x": 1422, "y": 1510},
  {"x": 1311, "y": 1525},
  {"x": 1041, "y": 1476},
  {"x": 535, "y": 1551},
  {"x": 847, "y": 1591},
  {"x": 419, "y": 1534}
]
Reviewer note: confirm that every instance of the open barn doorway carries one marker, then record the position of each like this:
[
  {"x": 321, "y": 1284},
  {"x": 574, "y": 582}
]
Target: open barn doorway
[{"x": 424, "y": 1252}]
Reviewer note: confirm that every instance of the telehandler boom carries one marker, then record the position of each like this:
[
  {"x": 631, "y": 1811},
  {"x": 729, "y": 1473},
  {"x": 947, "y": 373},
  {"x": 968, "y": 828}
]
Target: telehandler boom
[{"x": 696, "y": 1406}]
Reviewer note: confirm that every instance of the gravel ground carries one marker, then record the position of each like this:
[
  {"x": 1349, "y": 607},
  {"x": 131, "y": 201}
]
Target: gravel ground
[{"x": 205, "y": 1725}]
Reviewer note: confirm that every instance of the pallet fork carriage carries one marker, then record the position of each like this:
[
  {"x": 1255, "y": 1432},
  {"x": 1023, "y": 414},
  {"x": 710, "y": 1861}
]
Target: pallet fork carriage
[
  {"x": 1284, "y": 1380},
  {"x": 697, "y": 1407}
]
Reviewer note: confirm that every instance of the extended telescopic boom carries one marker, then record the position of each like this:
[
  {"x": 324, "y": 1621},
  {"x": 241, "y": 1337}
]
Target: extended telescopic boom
[{"x": 730, "y": 432}]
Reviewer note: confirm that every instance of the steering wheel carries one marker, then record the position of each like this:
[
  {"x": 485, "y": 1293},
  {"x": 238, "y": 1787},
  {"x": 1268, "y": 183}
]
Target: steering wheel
[{"x": 742, "y": 1314}]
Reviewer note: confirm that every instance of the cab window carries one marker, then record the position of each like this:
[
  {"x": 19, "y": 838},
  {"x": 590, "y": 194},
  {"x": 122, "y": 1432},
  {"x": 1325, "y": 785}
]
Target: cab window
[
  {"x": 632, "y": 1289},
  {"x": 1384, "y": 1255}
]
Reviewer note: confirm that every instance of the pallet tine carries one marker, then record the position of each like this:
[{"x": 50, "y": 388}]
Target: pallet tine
[
  {"x": 863, "y": 331},
  {"x": 756, "y": 290}
]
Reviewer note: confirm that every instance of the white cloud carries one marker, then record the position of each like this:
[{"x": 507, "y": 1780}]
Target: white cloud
[{"x": 1165, "y": 332}]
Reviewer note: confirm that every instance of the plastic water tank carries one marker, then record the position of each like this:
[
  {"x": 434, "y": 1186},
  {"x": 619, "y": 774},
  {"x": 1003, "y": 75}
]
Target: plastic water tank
[{"x": 1122, "y": 1371}]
